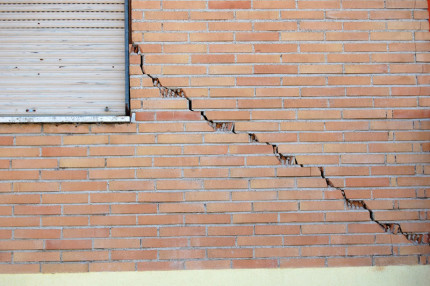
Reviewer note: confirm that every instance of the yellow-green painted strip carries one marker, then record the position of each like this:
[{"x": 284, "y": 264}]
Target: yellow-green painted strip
[{"x": 350, "y": 276}]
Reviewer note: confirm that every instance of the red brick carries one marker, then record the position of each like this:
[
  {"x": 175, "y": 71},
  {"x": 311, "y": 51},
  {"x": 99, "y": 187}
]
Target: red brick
[
  {"x": 181, "y": 254},
  {"x": 116, "y": 243},
  {"x": 112, "y": 266},
  {"x": 350, "y": 261},
  {"x": 207, "y": 264},
  {"x": 230, "y": 253},
  {"x": 302, "y": 262},
  {"x": 133, "y": 255},
  {"x": 255, "y": 263},
  {"x": 182, "y": 231},
  {"x": 229, "y": 4},
  {"x": 207, "y": 219},
  {"x": 113, "y": 220},
  {"x": 301, "y": 217},
  {"x": 85, "y": 232},
  {"x": 19, "y": 268},
  {"x": 159, "y": 219}
]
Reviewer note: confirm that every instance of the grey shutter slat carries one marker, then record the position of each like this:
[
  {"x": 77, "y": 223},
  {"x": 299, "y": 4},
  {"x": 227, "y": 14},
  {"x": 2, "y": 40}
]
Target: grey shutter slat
[
  {"x": 61, "y": 6},
  {"x": 62, "y": 57},
  {"x": 61, "y": 1},
  {"x": 69, "y": 24},
  {"x": 13, "y": 16}
]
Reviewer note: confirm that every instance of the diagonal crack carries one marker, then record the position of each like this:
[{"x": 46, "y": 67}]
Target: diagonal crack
[{"x": 393, "y": 228}]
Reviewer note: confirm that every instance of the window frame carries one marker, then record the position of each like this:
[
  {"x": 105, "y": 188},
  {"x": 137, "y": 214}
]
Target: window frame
[{"x": 126, "y": 118}]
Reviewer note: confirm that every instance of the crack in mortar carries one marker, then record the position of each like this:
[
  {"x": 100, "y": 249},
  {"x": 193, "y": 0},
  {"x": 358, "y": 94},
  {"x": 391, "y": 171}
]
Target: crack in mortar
[{"x": 393, "y": 228}]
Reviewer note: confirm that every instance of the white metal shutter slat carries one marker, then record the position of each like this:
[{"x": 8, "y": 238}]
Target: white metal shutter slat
[
  {"x": 57, "y": 68},
  {"x": 55, "y": 47},
  {"x": 59, "y": 7},
  {"x": 100, "y": 24},
  {"x": 61, "y": 1},
  {"x": 62, "y": 57},
  {"x": 53, "y": 90},
  {"x": 66, "y": 109},
  {"x": 13, "y": 16},
  {"x": 63, "y": 34},
  {"x": 50, "y": 61},
  {"x": 58, "y": 54}
]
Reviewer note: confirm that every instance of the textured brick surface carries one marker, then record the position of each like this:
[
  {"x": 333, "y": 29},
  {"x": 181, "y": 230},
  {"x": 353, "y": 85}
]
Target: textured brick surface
[{"x": 337, "y": 89}]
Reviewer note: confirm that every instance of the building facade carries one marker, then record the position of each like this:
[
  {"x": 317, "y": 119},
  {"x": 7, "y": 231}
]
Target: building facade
[{"x": 262, "y": 134}]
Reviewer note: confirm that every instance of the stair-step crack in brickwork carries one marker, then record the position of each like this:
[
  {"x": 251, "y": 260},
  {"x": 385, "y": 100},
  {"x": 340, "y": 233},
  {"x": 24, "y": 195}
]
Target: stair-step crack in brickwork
[{"x": 393, "y": 228}]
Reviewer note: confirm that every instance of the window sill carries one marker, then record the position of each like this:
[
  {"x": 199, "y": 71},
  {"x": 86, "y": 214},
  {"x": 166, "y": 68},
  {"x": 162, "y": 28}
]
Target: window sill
[{"x": 65, "y": 119}]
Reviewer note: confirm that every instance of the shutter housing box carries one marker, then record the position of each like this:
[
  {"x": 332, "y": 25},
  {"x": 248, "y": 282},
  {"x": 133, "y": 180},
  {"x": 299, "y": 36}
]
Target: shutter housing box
[{"x": 63, "y": 58}]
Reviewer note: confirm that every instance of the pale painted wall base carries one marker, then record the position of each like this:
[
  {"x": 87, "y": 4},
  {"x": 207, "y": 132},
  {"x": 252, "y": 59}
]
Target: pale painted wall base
[{"x": 351, "y": 276}]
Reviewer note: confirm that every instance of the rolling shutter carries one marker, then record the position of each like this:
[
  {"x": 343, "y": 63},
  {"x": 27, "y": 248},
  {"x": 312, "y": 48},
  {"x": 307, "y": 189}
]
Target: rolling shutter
[{"x": 62, "y": 57}]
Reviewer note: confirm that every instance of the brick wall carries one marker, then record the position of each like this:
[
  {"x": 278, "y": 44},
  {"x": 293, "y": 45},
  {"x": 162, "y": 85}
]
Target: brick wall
[{"x": 266, "y": 134}]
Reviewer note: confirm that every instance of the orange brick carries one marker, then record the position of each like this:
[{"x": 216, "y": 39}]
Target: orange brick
[
  {"x": 182, "y": 231},
  {"x": 160, "y": 265},
  {"x": 112, "y": 197},
  {"x": 85, "y": 139},
  {"x": 114, "y": 128},
  {"x": 347, "y": 36},
  {"x": 38, "y": 140},
  {"x": 207, "y": 219},
  {"x": 65, "y": 221},
  {"x": 230, "y": 70},
  {"x": 230, "y": 253},
  {"x": 302, "y": 262},
  {"x": 255, "y": 218},
  {"x": 229, "y": 207},
  {"x": 20, "y": 199},
  {"x": 112, "y": 174},
  {"x": 44, "y": 233},
  {"x": 226, "y": 184},
  {"x": 351, "y": 15},
  {"x": 275, "y": 206},
  {"x": 113, "y": 220},
  {"x": 301, "y": 217},
  {"x": 6, "y": 257},
  {"x": 212, "y": 241},
  {"x": 116, "y": 243},
  {"x": 84, "y": 186},
  {"x": 229, "y": 4},
  {"x": 275, "y": 26},
  {"x": 257, "y": 15},
  {"x": 19, "y": 175},
  {"x": 37, "y": 210},
  {"x": 315, "y": 25},
  {"x": 36, "y": 187},
  {"x": 324, "y": 229},
  {"x": 86, "y": 209},
  {"x": 181, "y": 254},
  {"x": 85, "y": 255},
  {"x": 18, "y": 128},
  {"x": 388, "y": 15},
  {"x": 112, "y": 266},
  {"x": 314, "y": 15},
  {"x": 133, "y": 232},
  {"x": 68, "y": 244},
  {"x": 181, "y": 208},
  {"x": 255, "y": 263},
  {"x": 276, "y": 252},
  {"x": 19, "y": 268},
  {"x": 64, "y": 151},
  {"x": 258, "y": 58},
  {"x": 211, "y": 37},
  {"x": 323, "y": 251},
  {"x": 35, "y": 256}
]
